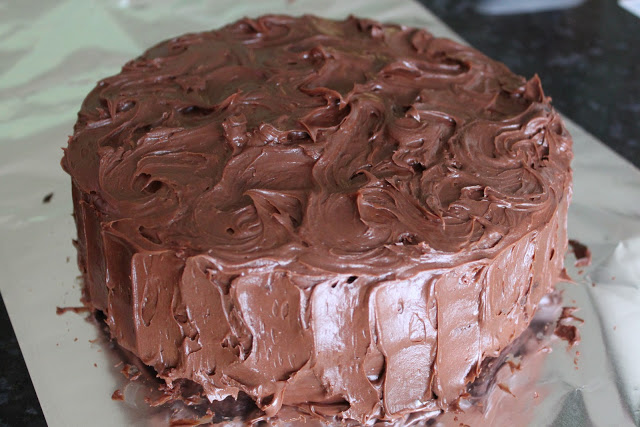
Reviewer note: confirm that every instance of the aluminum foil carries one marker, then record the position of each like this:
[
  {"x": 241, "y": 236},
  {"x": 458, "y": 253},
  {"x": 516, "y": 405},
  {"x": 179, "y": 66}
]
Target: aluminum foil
[{"x": 51, "y": 55}]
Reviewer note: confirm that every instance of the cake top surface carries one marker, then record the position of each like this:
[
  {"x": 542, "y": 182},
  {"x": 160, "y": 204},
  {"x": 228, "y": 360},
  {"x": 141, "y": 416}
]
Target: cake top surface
[{"x": 321, "y": 145}]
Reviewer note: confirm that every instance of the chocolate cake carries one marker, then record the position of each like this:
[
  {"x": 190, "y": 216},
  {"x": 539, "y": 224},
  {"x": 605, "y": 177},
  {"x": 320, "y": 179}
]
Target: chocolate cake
[{"x": 340, "y": 218}]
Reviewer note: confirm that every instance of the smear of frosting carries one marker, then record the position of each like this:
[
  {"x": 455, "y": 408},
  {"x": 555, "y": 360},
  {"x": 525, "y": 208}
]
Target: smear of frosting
[{"x": 344, "y": 217}]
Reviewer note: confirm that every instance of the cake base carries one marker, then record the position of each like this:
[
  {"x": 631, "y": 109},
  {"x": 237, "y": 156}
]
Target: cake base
[{"x": 504, "y": 394}]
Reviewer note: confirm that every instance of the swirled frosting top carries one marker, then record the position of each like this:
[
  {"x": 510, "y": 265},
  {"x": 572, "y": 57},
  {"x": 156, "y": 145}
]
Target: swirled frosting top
[{"x": 317, "y": 144}]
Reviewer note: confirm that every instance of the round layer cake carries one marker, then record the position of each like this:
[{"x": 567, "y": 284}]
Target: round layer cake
[{"x": 340, "y": 217}]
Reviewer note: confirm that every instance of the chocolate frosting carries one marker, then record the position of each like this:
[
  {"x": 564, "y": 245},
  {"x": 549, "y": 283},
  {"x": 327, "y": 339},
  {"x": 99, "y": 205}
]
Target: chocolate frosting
[{"x": 343, "y": 217}]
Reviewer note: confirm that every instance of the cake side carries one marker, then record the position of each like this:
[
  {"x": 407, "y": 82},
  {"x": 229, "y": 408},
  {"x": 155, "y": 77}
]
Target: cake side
[
  {"x": 363, "y": 348},
  {"x": 342, "y": 217}
]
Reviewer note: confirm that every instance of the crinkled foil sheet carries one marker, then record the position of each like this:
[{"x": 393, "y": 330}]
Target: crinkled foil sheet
[{"x": 51, "y": 55}]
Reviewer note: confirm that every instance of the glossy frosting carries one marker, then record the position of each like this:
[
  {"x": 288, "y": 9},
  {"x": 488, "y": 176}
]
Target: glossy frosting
[{"x": 345, "y": 218}]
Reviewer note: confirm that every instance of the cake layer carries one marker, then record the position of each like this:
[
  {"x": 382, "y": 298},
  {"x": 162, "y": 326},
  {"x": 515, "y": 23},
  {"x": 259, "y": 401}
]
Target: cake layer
[{"x": 343, "y": 217}]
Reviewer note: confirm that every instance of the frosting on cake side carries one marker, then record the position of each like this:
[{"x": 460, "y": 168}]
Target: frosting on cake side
[{"x": 343, "y": 217}]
